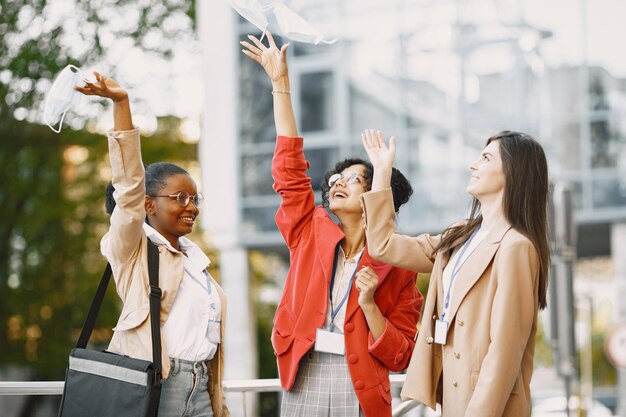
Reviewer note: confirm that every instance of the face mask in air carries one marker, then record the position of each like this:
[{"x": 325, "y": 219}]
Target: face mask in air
[
  {"x": 61, "y": 96},
  {"x": 288, "y": 23},
  {"x": 294, "y": 27},
  {"x": 252, "y": 11}
]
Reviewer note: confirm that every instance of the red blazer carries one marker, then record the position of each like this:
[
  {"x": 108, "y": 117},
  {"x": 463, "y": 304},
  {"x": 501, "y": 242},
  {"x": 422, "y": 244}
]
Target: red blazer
[{"x": 312, "y": 237}]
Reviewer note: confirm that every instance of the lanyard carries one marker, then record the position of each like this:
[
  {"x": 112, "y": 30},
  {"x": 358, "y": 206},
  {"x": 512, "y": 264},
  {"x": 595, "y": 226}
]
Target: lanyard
[
  {"x": 335, "y": 311},
  {"x": 455, "y": 270},
  {"x": 209, "y": 288}
]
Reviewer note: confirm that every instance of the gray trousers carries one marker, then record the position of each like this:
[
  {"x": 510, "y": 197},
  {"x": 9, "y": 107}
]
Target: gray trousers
[{"x": 323, "y": 388}]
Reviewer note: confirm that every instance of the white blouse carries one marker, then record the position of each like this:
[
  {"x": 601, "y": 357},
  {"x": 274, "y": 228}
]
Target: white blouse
[
  {"x": 192, "y": 329},
  {"x": 343, "y": 273},
  {"x": 447, "y": 281}
]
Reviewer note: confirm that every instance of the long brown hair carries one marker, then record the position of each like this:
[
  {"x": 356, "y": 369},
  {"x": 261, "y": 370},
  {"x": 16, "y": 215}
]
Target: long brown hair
[{"x": 524, "y": 202}]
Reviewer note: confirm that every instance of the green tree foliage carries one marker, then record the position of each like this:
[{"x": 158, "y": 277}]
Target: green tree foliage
[{"x": 38, "y": 38}]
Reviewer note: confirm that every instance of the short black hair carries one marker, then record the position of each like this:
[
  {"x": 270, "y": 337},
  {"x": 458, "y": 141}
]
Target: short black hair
[
  {"x": 400, "y": 186},
  {"x": 156, "y": 177}
]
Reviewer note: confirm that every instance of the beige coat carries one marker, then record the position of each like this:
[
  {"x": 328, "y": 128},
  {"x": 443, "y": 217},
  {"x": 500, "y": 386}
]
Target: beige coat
[
  {"x": 485, "y": 367},
  {"x": 125, "y": 246}
]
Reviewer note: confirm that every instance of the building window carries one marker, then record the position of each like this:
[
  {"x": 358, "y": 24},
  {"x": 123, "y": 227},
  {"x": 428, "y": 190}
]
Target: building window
[
  {"x": 321, "y": 161},
  {"x": 257, "y": 221},
  {"x": 257, "y": 175},
  {"x": 316, "y": 101}
]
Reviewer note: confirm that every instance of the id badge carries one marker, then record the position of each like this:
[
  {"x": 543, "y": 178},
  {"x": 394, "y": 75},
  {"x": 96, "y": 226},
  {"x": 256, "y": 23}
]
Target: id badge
[
  {"x": 213, "y": 332},
  {"x": 441, "y": 331},
  {"x": 329, "y": 342}
]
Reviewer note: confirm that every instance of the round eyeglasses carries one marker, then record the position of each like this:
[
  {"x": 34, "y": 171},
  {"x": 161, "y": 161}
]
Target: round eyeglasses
[
  {"x": 183, "y": 198},
  {"x": 350, "y": 177}
]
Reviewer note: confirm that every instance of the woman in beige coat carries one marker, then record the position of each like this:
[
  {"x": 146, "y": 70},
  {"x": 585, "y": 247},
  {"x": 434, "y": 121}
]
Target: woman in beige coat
[
  {"x": 161, "y": 203},
  {"x": 474, "y": 350}
]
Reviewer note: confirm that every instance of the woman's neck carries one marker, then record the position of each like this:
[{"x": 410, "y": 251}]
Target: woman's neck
[
  {"x": 491, "y": 212},
  {"x": 173, "y": 240},
  {"x": 355, "y": 238}
]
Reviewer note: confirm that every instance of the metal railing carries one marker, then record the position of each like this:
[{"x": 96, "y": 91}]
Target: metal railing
[{"x": 243, "y": 386}]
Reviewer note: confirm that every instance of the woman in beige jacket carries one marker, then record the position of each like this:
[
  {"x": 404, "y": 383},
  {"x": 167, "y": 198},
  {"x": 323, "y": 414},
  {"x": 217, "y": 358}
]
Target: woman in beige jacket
[
  {"x": 474, "y": 350},
  {"x": 161, "y": 203}
]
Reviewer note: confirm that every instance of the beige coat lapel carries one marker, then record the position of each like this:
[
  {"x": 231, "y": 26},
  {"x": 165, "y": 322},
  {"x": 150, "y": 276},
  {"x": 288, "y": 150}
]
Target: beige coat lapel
[{"x": 473, "y": 268}]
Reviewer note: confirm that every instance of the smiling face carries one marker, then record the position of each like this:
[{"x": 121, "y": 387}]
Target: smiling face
[
  {"x": 345, "y": 193},
  {"x": 167, "y": 216},
  {"x": 487, "y": 174}
]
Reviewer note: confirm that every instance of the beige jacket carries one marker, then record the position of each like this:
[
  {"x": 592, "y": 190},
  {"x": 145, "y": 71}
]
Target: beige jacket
[
  {"x": 125, "y": 247},
  {"x": 485, "y": 367}
]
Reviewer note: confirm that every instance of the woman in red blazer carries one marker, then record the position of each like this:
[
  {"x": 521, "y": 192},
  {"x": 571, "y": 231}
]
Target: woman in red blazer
[{"x": 344, "y": 320}]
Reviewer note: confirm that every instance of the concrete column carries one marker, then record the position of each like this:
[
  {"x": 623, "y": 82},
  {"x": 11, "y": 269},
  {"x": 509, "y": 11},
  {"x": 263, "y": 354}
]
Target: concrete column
[
  {"x": 618, "y": 245},
  {"x": 240, "y": 342},
  {"x": 219, "y": 159}
]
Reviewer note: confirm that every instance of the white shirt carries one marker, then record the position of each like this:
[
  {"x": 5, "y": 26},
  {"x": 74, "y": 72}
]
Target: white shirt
[
  {"x": 192, "y": 329},
  {"x": 345, "y": 269},
  {"x": 448, "y": 287}
]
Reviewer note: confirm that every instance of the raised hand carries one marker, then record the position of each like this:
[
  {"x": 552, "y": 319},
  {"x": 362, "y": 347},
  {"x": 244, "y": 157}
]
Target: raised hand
[
  {"x": 380, "y": 155},
  {"x": 104, "y": 87},
  {"x": 272, "y": 59}
]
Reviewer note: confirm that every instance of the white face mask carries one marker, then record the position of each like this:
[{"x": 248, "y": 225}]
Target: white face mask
[
  {"x": 288, "y": 23},
  {"x": 295, "y": 27},
  {"x": 252, "y": 11},
  {"x": 61, "y": 96}
]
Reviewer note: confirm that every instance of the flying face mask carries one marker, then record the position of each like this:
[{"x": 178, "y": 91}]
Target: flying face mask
[
  {"x": 252, "y": 11},
  {"x": 61, "y": 96},
  {"x": 279, "y": 19},
  {"x": 295, "y": 27}
]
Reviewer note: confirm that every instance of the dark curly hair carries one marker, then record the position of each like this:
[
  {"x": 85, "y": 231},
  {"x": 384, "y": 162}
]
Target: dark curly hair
[
  {"x": 156, "y": 177},
  {"x": 400, "y": 186}
]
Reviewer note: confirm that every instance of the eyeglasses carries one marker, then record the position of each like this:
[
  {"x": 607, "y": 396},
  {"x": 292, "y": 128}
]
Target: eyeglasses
[
  {"x": 351, "y": 177},
  {"x": 183, "y": 198}
]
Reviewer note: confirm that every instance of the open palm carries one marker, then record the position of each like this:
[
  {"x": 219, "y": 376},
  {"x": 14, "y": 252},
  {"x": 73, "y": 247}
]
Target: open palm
[
  {"x": 104, "y": 87},
  {"x": 379, "y": 153},
  {"x": 272, "y": 59}
]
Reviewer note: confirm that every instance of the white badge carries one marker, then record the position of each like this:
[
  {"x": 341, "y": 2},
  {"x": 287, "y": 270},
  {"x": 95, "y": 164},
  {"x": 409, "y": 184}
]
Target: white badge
[
  {"x": 329, "y": 342},
  {"x": 441, "y": 331},
  {"x": 213, "y": 332}
]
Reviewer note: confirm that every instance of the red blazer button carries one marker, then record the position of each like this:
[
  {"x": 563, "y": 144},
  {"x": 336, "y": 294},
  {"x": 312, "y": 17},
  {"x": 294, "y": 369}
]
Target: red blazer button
[
  {"x": 353, "y": 358},
  {"x": 359, "y": 384},
  {"x": 349, "y": 327}
]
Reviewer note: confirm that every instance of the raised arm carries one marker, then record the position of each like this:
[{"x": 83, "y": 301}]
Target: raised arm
[
  {"x": 385, "y": 245},
  {"x": 107, "y": 88},
  {"x": 274, "y": 62},
  {"x": 125, "y": 232},
  {"x": 289, "y": 165}
]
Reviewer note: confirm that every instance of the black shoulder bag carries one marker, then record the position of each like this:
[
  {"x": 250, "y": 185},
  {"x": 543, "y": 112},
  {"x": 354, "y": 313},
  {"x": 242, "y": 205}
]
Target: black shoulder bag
[{"x": 105, "y": 384}]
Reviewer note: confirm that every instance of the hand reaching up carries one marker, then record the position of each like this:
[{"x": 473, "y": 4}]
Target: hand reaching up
[
  {"x": 103, "y": 87},
  {"x": 379, "y": 154},
  {"x": 272, "y": 59},
  {"x": 107, "y": 88}
]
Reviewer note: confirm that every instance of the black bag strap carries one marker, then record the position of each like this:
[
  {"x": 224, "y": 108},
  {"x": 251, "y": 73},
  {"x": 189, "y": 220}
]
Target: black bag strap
[{"x": 155, "y": 307}]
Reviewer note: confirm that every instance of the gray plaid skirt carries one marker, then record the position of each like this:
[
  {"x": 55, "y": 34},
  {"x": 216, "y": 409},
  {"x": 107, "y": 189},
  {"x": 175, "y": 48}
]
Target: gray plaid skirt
[{"x": 323, "y": 388}]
